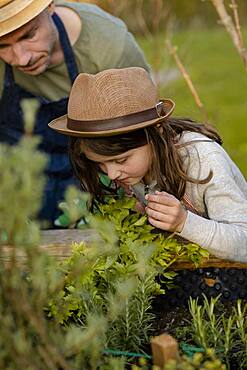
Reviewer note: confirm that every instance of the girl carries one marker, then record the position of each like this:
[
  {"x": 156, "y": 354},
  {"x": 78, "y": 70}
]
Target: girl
[{"x": 176, "y": 167}]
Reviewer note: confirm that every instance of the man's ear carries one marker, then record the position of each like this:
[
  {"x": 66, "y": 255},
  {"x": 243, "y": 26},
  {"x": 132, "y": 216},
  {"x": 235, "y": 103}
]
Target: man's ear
[{"x": 51, "y": 8}]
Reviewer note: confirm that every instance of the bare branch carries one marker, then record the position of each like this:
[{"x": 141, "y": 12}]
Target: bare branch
[
  {"x": 230, "y": 27},
  {"x": 141, "y": 20},
  {"x": 234, "y": 7},
  {"x": 158, "y": 10},
  {"x": 173, "y": 51}
]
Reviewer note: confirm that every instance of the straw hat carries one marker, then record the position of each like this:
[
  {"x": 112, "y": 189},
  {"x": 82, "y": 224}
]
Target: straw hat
[
  {"x": 15, "y": 13},
  {"x": 112, "y": 102}
]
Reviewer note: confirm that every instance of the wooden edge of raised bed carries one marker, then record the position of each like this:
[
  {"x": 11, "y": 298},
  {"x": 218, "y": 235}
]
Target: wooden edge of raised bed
[
  {"x": 210, "y": 262},
  {"x": 57, "y": 243}
]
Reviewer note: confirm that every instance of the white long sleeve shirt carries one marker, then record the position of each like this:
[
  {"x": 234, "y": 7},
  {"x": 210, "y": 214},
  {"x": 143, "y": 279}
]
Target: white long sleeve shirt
[
  {"x": 221, "y": 223},
  {"x": 223, "y": 200}
]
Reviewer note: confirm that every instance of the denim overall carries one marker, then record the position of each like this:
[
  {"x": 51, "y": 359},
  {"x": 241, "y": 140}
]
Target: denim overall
[{"x": 58, "y": 171}]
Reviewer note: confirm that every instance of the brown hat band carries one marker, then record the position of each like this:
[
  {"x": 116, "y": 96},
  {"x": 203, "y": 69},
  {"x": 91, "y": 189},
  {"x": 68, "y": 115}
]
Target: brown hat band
[{"x": 118, "y": 122}]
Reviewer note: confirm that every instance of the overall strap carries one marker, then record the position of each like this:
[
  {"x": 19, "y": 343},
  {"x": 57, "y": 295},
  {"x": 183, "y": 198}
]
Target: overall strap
[
  {"x": 9, "y": 76},
  {"x": 67, "y": 48},
  {"x": 188, "y": 205}
]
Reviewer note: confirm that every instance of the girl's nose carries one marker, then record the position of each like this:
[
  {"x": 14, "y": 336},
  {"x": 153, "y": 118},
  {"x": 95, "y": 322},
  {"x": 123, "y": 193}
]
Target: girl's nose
[
  {"x": 21, "y": 55},
  {"x": 112, "y": 171}
]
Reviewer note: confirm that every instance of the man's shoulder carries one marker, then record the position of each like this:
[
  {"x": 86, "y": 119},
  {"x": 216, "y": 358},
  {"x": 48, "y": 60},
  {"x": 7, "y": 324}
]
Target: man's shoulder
[
  {"x": 96, "y": 48},
  {"x": 91, "y": 12}
]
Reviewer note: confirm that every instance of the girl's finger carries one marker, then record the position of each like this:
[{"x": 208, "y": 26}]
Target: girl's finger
[
  {"x": 163, "y": 193},
  {"x": 164, "y": 199},
  {"x": 157, "y": 215},
  {"x": 159, "y": 207},
  {"x": 159, "y": 224}
]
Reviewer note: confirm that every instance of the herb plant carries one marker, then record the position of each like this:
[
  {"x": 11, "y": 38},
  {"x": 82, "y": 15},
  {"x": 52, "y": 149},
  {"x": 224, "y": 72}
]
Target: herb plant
[
  {"x": 65, "y": 315},
  {"x": 226, "y": 334},
  {"x": 117, "y": 274},
  {"x": 28, "y": 339}
]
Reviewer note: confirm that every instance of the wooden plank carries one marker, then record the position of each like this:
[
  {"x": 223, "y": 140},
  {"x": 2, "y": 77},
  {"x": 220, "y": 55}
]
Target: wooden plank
[
  {"x": 211, "y": 262},
  {"x": 164, "y": 348},
  {"x": 58, "y": 244},
  {"x": 62, "y": 240},
  {"x": 66, "y": 237}
]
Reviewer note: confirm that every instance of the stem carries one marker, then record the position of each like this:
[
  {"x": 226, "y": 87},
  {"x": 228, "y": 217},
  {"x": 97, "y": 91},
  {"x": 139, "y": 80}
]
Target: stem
[
  {"x": 234, "y": 31},
  {"x": 173, "y": 51},
  {"x": 234, "y": 7}
]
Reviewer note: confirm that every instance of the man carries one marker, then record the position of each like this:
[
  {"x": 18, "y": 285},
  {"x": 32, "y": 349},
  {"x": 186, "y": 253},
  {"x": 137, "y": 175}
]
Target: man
[{"x": 43, "y": 46}]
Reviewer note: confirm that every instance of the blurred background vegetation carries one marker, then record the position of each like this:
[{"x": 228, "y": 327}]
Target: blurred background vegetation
[{"x": 206, "y": 51}]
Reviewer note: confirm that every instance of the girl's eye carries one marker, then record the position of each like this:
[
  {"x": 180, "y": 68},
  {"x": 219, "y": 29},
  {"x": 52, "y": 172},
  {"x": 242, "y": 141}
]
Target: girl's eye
[{"x": 120, "y": 161}]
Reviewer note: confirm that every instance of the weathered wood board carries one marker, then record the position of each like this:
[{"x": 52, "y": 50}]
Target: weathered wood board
[{"x": 58, "y": 244}]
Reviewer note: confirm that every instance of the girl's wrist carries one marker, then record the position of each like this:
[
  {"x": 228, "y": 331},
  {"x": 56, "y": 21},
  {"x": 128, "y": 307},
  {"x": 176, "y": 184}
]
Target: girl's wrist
[{"x": 180, "y": 226}]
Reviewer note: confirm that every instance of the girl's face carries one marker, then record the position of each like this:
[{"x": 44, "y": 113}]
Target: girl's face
[{"x": 128, "y": 168}]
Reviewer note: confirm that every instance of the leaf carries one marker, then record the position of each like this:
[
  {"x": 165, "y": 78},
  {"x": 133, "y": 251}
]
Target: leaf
[{"x": 141, "y": 221}]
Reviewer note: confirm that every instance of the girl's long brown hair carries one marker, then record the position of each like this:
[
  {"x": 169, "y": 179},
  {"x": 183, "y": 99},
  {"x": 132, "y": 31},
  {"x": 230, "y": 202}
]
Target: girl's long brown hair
[{"x": 167, "y": 166}]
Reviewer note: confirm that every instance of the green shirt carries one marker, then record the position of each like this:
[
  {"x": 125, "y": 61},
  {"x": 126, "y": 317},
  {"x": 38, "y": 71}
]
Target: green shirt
[{"x": 104, "y": 42}]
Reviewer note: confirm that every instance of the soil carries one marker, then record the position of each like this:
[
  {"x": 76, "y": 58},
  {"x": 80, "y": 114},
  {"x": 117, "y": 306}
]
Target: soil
[
  {"x": 169, "y": 321},
  {"x": 176, "y": 322}
]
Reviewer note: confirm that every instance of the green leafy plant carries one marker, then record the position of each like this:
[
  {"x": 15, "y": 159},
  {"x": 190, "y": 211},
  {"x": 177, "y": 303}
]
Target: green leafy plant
[
  {"x": 131, "y": 227},
  {"x": 21, "y": 185},
  {"x": 212, "y": 327},
  {"x": 64, "y": 316},
  {"x": 28, "y": 339},
  {"x": 202, "y": 361},
  {"x": 117, "y": 272}
]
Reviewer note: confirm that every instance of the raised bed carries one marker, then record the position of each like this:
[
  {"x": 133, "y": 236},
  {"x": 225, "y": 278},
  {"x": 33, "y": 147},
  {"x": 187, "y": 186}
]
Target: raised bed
[
  {"x": 213, "y": 276},
  {"x": 57, "y": 243}
]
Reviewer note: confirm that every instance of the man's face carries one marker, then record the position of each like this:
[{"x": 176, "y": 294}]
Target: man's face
[{"x": 30, "y": 47}]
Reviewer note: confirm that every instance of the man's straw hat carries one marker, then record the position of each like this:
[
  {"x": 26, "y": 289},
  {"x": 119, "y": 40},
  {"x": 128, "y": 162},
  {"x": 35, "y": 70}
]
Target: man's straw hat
[
  {"x": 112, "y": 102},
  {"x": 15, "y": 13}
]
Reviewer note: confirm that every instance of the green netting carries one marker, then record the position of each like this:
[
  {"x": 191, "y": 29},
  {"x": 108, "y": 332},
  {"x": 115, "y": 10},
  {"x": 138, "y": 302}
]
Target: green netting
[{"x": 190, "y": 350}]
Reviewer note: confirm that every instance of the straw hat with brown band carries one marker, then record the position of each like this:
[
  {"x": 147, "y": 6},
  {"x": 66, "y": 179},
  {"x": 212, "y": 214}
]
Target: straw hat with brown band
[
  {"x": 112, "y": 102},
  {"x": 16, "y": 13}
]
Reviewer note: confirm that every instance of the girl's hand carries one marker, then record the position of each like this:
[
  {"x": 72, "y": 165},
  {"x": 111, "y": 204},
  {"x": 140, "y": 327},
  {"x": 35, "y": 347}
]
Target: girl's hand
[{"x": 165, "y": 211}]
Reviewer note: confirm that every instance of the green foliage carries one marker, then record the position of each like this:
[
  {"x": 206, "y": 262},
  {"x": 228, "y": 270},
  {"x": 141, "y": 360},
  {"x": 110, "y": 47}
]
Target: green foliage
[
  {"x": 63, "y": 316},
  {"x": 116, "y": 274},
  {"x": 137, "y": 239},
  {"x": 202, "y": 361},
  {"x": 28, "y": 339},
  {"x": 101, "y": 295},
  {"x": 73, "y": 209},
  {"x": 97, "y": 283},
  {"x": 21, "y": 185},
  {"x": 136, "y": 236},
  {"x": 211, "y": 327}
]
